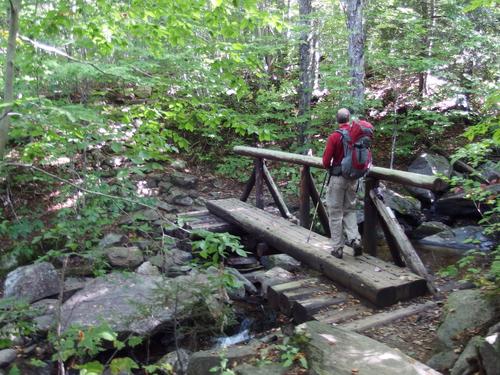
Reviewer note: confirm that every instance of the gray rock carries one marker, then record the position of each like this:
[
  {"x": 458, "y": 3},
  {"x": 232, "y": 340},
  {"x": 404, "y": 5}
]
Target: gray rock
[
  {"x": 74, "y": 284},
  {"x": 468, "y": 363},
  {"x": 110, "y": 239},
  {"x": 178, "y": 164},
  {"x": 443, "y": 361},
  {"x": 127, "y": 257},
  {"x": 429, "y": 228},
  {"x": 32, "y": 282},
  {"x": 184, "y": 180},
  {"x": 249, "y": 287},
  {"x": 452, "y": 241},
  {"x": 7, "y": 356},
  {"x": 274, "y": 276},
  {"x": 404, "y": 205},
  {"x": 177, "y": 360},
  {"x": 46, "y": 306},
  {"x": 183, "y": 201},
  {"x": 333, "y": 350},
  {"x": 490, "y": 353},
  {"x": 175, "y": 271},
  {"x": 201, "y": 362},
  {"x": 428, "y": 164},
  {"x": 465, "y": 310},
  {"x": 138, "y": 303},
  {"x": 272, "y": 369},
  {"x": 148, "y": 269},
  {"x": 460, "y": 205},
  {"x": 166, "y": 207},
  {"x": 280, "y": 260},
  {"x": 175, "y": 257},
  {"x": 490, "y": 170},
  {"x": 165, "y": 187}
]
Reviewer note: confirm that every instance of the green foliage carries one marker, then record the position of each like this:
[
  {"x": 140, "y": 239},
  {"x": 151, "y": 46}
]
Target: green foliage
[
  {"x": 215, "y": 247},
  {"x": 223, "y": 367},
  {"x": 16, "y": 320},
  {"x": 291, "y": 351}
]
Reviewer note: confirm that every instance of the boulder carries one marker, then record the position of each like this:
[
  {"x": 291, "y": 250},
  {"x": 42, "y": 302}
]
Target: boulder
[
  {"x": 249, "y": 287},
  {"x": 280, "y": 260},
  {"x": 431, "y": 165},
  {"x": 182, "y": 200},
  {"x": 126, "y": 257},
  {"x": 403, "y": 205},
  {"x": 148, "y": 269},
  {"x": 443, "y": 361},
  {"x": 457, "y": 241},
  {"x": 171, "y": 258},
  {"x": 466, "y": 310},
  {"x": 7, "y": 356},
  {"x": 490, "y": 170},
  {"x": 110, "y": 239},
  {"x": 184, "y": 180},
  {"x": 333, "y": 350},
  {"x": 429, "y": 228},
  {"x": 32, "y": 282},
  {"x": 460, "y": 204},
  {"x": 178, "y": 164},
  {"x": 468, "y": 362},
  {"x": 140, "y": 304},
  {"x": 201, "y": 362},
  {"x": 176, "y": 360},
  {"x": 276, "y": 275},
  {"x": 271, "y": 369}
]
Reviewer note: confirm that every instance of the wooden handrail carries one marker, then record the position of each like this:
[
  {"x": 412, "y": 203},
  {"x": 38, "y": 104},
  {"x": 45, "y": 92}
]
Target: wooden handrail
[{"x": 405, "y": 178}]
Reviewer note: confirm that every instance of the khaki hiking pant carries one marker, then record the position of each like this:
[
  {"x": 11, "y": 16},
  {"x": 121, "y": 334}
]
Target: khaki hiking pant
[{"x": 341, "y": 205}]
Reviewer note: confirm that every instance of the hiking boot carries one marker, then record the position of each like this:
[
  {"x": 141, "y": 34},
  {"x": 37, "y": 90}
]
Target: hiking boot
[
  {"x": 338, "y": 252},
  {"x": 357, "y": 247}
]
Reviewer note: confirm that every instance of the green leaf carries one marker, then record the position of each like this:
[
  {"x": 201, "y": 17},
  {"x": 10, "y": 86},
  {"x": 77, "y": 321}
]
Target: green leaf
[
  {"x": 91, "y": 368},
  {"x": 124, "y": 364}
]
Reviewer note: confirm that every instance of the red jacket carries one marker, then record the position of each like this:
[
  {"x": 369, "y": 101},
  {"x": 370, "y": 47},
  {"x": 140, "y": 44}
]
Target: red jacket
[{"x": 334, "y": 150}]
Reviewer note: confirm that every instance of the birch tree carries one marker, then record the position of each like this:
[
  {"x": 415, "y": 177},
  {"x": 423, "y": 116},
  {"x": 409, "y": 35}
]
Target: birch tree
[
  {"x": 14, "y": 7},
  {"x": 306, "y": 59},
  {"x": 354, "y": 20}
]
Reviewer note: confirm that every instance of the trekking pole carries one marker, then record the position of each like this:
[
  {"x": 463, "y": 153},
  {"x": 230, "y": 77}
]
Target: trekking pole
[{"x": 317, "y": 205}]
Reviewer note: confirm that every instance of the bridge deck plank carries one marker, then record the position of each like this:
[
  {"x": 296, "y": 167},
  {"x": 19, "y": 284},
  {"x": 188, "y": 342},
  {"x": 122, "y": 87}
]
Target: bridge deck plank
[{"x": 379, "y": 282}]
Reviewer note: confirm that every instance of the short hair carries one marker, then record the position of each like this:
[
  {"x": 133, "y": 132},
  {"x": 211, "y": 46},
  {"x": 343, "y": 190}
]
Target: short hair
[{"x": 343, "y": 116}]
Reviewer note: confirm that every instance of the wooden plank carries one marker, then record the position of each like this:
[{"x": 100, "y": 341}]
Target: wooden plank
[
  {"x": 204, "y": 220},
  {"x": 303, "y": 310},
  {"x": 276, "y": 194},
  {"x": 383, "y": 287},
  {"x": 406, "y": 178},
  {"x": 275, "y": 292},
  {"x": 383, "y": 318},
  {"x": 336, "y": 316},
  {"x": 371, "y": 219},
  {"x": 405, "y": 247}
]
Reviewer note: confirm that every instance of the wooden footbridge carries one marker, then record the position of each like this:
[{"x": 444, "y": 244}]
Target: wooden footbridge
[{"x": 376, "y": 281}]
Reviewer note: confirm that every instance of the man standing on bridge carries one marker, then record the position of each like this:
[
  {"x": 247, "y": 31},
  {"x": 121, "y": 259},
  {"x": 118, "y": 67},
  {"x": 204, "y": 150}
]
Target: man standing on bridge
[{"x": 341, "y": 193}]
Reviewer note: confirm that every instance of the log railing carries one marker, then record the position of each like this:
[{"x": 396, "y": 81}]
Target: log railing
[{"x": 374, "y": 209}]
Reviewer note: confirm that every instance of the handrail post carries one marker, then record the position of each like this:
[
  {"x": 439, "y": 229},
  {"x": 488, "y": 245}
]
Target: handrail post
[
  {"x": 259, "y": 182},
  {"x": 304, "y": 198},
  {"x": 371, "y": 219}
]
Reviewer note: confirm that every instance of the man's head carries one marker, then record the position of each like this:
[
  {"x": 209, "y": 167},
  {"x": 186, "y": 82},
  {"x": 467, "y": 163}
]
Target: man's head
[{"x": 343, "y": 116}]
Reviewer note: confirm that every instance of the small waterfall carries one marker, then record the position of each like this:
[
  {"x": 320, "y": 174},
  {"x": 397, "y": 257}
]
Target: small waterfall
[{"x": 242, "y": 335}]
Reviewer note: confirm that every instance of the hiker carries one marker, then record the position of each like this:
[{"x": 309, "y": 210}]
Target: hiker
[{"x": 341, "y": 192}]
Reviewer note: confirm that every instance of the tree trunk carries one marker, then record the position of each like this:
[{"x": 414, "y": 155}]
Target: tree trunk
[
  {"x": 306, "y": 58},
  {"x": 14, "y": 8},
  {"x": 354, "y": 13}
]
